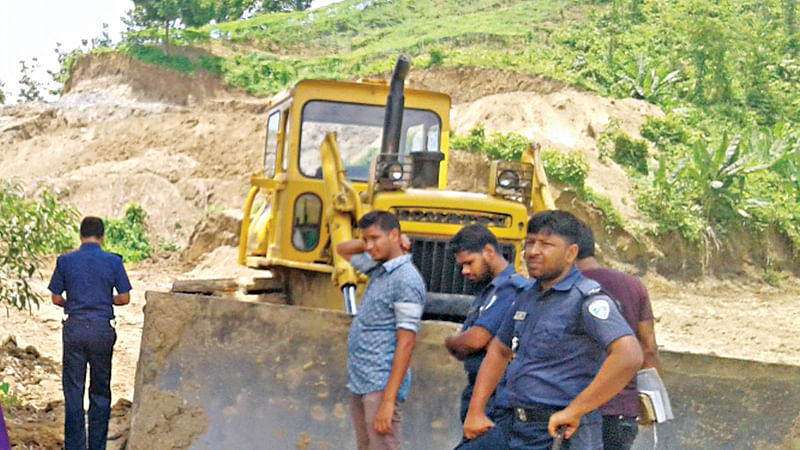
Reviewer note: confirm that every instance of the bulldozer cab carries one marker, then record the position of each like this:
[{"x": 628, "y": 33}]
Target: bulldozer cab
[
  {"x": 291, "y": 211},
  {"x": 292, "y": 181}
]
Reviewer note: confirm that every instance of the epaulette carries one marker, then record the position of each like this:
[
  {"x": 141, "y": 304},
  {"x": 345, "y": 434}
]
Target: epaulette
[
  {"x": 591, "y": 288},
  {"x": 518, "y": 281},
  {"x": 117, "y": 255},
  {"x": 588, "y": 287}
]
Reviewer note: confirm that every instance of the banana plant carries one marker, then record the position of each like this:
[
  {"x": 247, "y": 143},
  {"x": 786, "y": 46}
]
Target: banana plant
[
  {"x": 719, "y": 174},
  {"x": 646, "y": 84}
]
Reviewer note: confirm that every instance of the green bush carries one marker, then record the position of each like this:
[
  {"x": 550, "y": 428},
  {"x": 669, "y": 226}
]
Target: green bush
[
  {"x": 571, "y": 168},
  {"x": 30, "y": 228},
  {"x": 627, "y": 151},
  {"x": 663, "y": 132},
  {"x": 192, "y": 65},
  {"x": 127, "y": 236},
  {"x": 509, "y": 146}
]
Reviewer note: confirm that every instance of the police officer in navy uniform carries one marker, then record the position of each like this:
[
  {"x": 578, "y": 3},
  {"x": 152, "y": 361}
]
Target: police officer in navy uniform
[
  {"x": 89, "y": 277},
  {"x": 476, "y": 249},
  {"x": 572, "y": 350}
]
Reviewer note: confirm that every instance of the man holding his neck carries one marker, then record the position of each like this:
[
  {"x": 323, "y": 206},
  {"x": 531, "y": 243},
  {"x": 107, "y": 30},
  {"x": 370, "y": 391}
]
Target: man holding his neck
[
  {"x": 619, "y": 415},
  {"x": 89, "y": 277},
  {"x": 383, "y": 333},
  {"x": 497, "y": 283},
  {"x": 572, "y": 349}
]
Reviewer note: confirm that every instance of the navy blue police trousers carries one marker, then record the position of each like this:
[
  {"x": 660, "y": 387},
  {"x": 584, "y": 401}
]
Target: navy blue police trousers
[{"x": 85, "y": 342}]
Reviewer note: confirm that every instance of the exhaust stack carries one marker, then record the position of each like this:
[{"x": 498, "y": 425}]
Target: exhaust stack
[{"x": 395, "y": 103}]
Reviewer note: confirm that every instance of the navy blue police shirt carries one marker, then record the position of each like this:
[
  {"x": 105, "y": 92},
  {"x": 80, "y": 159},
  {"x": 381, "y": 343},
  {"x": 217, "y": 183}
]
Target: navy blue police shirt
[
  {"x": 560, "y": 339},
  {"x": 89, "y": 275},
  {"x": 488, "y": 310}
]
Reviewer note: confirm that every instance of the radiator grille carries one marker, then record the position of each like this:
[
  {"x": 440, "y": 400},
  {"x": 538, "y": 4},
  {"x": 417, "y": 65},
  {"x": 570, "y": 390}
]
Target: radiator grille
[{"x": 438, "y": 266}]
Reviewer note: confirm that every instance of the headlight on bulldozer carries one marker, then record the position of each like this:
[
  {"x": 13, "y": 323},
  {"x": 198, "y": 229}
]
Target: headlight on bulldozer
[
  {"x": 507, "y": 179},
  {"x": 392, "y": 171},
  {"x": 511, "y": 181}
]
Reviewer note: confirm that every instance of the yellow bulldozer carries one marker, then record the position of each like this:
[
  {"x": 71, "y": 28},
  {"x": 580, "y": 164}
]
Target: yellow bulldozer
[
  {"x": 336, "y": 150},
  {"x": 216, "y": 372}
]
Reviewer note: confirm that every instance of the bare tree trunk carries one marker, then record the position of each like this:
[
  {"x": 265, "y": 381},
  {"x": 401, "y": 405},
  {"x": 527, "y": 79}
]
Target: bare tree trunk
[{"x": 166, "y": 36}]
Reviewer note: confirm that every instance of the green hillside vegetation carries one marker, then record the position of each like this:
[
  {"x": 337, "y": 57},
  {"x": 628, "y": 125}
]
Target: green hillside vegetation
[{"x": 725, "y": 158}]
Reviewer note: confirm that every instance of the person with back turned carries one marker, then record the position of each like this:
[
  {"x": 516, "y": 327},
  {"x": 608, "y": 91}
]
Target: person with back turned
[
  {"x": 565, "y": 344},
  {"x": 383, "y": 332},
  {"x": 476, "y": 249},
  {"x": 620, "y": 414},
  {"x": 89, "y": 277}
]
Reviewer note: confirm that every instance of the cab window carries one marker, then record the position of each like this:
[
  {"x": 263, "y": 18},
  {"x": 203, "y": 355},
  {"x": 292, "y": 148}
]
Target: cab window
[
  {"x": 287, "y": 136},
  {"x": 359, "y": 132},
  {"x": 271, "y": 148},
  {"x": 306, "y": 222}
]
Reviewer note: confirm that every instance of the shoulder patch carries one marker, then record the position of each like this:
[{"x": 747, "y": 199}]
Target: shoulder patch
[{"x": 600, "y": 308}]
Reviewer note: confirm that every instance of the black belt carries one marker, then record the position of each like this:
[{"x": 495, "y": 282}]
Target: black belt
[
  {"x": 67, "y": 318},
  {"x": 538, "y": 414}
]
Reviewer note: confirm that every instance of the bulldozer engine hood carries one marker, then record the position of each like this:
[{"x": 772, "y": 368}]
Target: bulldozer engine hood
[{"x": 443, "y": 213}]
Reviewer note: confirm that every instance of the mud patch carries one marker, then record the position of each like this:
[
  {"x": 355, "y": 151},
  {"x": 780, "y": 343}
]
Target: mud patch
[{"x": 169, "y": 423}]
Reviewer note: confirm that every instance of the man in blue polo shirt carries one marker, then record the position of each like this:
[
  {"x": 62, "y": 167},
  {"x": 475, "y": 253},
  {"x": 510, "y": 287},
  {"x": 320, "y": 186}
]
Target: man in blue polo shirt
[
  {"x": 383, "y": 333},
  {"x": 572, "y": 349},
  {"x": 89, "y": 277},
  {"x": 498, "y": 283}
]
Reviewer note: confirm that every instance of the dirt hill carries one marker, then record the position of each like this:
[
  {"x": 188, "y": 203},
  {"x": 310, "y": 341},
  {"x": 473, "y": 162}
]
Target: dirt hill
[{"x": 126, "y": 131}]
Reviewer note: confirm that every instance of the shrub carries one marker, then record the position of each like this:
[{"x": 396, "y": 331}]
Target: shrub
[
  {"x": 624, "y": 150},
  {"x": 127, "y": 236},
  {"x": 497, "y": 146},
  {"x": 30, "y": 228},
  {"x": 571, "y": 168}
]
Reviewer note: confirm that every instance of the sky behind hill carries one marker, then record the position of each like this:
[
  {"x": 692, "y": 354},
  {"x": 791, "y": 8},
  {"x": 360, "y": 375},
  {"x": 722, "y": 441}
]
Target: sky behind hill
[{"x": 30, "y": 29}]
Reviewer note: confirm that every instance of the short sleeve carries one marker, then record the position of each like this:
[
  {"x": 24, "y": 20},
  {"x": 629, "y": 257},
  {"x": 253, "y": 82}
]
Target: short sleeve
[
  {"x": 57, "y": 282},
  {"x": 362, "y": 262},
  {"x": 645, "y": 309},
  {"x": 121, "y": 281},
  {"x": 495, "y": 310},
  {"x": 409, "y": 302},
  {"x": 603, "y": 321},
  {"x": 506, "y": 330}
]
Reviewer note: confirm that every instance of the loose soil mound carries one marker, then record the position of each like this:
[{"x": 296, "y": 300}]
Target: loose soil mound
[{"x": 38, "y": 421}]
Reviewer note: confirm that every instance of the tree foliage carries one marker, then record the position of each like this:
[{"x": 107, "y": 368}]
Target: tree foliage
[
  {"x": 30, "y": 228},
  {"x": 171, "y": 14},
  {"x": 30, "y": 90},
  {"x": 2, "y": 93}
]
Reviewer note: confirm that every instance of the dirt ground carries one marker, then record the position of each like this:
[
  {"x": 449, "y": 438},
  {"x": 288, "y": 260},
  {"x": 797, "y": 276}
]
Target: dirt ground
[{"x": 186, "y": 154}]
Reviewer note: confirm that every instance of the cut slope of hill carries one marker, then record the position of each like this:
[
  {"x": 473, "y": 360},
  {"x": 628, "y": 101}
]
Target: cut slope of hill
[{"x": 123, "y": 133}]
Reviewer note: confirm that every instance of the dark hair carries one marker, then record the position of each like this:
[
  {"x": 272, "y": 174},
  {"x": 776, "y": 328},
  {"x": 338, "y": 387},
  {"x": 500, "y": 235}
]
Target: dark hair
[
  {"x": 472, "y": 238},
  {"x": 585, "y": 241},
  {"x": 557, "y": 222},
  {"x": 92, "y": 227},
  {"x": 385, "y": 220}
]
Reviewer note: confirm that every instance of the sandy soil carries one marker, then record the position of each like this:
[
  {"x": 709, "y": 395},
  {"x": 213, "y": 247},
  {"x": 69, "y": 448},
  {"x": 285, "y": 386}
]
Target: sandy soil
[{"x": 183, "y": 152}]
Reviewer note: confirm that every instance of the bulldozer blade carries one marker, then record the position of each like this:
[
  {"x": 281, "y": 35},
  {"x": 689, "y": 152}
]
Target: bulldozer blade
[{"x": 219, "y": 373}]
